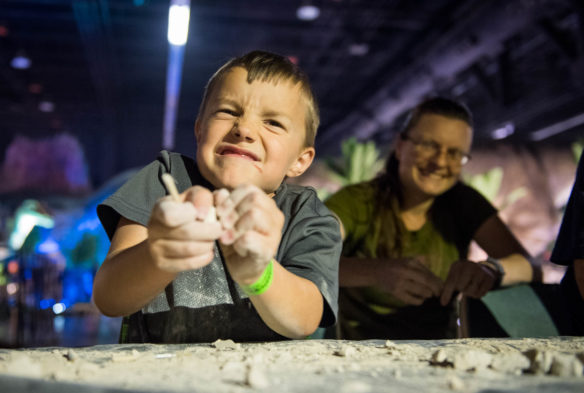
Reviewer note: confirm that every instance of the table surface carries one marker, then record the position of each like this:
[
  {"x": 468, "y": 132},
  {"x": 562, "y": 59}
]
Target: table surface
[{"x": 466, "y": 365}]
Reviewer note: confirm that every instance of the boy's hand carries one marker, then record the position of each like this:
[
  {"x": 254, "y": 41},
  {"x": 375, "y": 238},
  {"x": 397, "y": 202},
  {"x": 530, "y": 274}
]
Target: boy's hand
[
  {"x": 178, "y": 238},
  {"x": 253, "y": 228}
]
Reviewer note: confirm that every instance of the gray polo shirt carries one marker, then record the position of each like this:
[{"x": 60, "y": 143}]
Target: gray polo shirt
[{"x": 204, "y": 305}]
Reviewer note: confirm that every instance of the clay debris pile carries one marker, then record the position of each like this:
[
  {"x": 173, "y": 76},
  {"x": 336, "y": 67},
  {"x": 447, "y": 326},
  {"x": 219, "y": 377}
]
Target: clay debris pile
[
  {"x": 469, "y": 365},
  {"x": 532, "y": 361}
]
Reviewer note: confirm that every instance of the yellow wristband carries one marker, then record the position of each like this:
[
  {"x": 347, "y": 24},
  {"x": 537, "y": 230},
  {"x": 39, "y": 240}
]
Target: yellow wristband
[{"x": 263, "y": 283}]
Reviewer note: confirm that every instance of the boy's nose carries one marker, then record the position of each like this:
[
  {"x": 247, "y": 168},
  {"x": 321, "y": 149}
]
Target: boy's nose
[{"x": 244, "y": 129}]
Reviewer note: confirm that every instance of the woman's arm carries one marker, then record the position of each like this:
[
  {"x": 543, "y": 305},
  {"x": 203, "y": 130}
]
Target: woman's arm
[
  {"x": 495, "y": 238},
  {"x": 476, "y": 279}
]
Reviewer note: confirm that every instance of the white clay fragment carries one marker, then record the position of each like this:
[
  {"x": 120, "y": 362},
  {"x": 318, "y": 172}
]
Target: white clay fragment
[{"x": 211, "y": 215}]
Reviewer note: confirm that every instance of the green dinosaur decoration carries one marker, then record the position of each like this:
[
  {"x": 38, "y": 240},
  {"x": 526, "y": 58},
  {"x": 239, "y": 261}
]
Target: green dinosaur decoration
[
  {"x": 489, "y": 184},
  {"x": 360, "y": 162}
]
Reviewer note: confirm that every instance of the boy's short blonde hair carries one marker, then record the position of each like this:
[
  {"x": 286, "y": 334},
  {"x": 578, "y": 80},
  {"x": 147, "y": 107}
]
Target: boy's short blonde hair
[{"x": 270, "y": 67}]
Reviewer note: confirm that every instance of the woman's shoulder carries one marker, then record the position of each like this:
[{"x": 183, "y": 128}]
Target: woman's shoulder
[{"x": 363, "y": 190}]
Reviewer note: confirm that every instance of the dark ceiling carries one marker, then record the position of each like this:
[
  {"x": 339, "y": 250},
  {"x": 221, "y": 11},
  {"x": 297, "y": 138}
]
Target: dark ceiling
[{"x": 103, "y": 65}]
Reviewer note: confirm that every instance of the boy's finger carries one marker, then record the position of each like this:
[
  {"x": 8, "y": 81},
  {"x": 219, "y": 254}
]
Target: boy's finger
[
  {"x": 239, "y": 202},
  {"x": 224, "y": 203},
  {"x": 172, "y": 214},
  {"x": 201, "y": 198},
  {"x": 236, "y": 226},
  {"x": 174, "y": 249},
  {"x": 220, "y": 196},
  {"x": 246, "y": 192},
  {"x": 177, "y": 265},
  {"x": 191, "y": 230},
  {"x": 253, "y": 244},
  {"x": 254, "y": 219}
]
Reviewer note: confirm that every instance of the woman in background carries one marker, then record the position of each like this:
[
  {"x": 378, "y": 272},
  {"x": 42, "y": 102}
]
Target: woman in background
[{"x": 407, "y": 232}]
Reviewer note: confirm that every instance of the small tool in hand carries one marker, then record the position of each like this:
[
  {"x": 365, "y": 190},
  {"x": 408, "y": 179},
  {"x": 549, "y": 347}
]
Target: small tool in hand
[{"x": 170, "y": 185}]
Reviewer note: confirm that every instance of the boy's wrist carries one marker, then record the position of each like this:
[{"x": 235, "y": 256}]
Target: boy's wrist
[{"x": 263, "y": 283}]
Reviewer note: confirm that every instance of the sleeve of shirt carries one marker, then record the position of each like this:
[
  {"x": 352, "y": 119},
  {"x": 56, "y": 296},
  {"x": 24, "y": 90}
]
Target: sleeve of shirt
[
  {"x": 469, "y": 209},
  {"x": 135, "y": 199},
  {"x": 311, "y": 248},
  {"x": 570, "y": 242}
]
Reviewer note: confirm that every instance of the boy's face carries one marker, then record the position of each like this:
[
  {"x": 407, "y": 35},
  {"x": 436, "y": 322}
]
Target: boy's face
[{"x": 252, "y": 133}]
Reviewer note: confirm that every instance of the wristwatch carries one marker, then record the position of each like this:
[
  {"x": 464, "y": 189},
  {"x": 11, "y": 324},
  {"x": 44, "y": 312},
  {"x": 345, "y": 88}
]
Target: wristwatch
[{"x": 495, "y": 264}]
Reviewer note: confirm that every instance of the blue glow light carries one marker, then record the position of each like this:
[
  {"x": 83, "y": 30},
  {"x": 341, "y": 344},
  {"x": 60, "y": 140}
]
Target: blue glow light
[
  {"x": 46, "y": 303},
  {"x": 49, "y": 246}
]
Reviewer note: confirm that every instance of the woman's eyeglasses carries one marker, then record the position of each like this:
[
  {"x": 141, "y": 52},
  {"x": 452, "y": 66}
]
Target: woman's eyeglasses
[{"x": 430, "y": 148}]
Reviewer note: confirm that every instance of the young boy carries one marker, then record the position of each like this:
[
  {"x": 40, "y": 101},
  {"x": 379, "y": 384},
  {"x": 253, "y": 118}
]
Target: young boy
[{"x": 268, "y": 268}]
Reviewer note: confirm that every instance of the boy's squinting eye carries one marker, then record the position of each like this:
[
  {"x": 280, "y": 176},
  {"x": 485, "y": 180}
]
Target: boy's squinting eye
[
  {"x": 227, "y": 111},
  {"x": 274, "y": 123}
]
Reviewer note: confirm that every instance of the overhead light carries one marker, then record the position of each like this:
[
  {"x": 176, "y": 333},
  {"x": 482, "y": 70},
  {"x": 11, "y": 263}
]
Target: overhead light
[
  {"x": 178, "y": 22},
  {"x": 307, "y": 12},
  {"x": 503, "y": 132},
  {"x": 21, "y": 61},
  {"x": 46, "y": 106},
  {"x": 557, "y": 128},
  {"x": 359, "y": 49}
]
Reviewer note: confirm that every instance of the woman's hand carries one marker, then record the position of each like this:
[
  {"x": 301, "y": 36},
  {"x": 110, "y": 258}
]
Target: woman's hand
[
  {"x": 469, "y": 278},
  {"x": 409, "y": 280}
]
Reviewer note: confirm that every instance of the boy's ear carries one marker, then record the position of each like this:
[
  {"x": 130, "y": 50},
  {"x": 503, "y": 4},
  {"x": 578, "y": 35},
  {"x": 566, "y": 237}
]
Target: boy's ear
[{"x": 302, "y": 162}]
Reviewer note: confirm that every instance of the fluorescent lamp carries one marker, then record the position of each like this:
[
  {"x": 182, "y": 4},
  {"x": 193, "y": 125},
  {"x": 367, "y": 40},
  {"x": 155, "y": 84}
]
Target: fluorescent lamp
[
  {"x": 557, "y": 128},
  {"x": 46, "y": 106},
  {"x": 503, "y": 132},
  {"x": 178, "y": 22},
  {"x": 20, "y": 62},
  {"x": 307, "y": 12}
]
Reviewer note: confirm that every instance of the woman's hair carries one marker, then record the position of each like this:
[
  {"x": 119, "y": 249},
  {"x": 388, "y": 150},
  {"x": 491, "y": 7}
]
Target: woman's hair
[
  {"x": 437, "y": 106},
  {"x": 388, "y": 189},
  {"x": 271, "y": 67}
]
